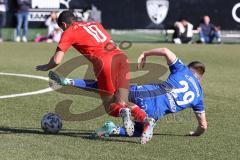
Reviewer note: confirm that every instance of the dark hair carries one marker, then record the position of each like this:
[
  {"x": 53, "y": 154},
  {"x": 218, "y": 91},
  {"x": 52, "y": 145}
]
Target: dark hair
[
  {"x": 67, "y": 17},
  {"x": 181, "y": 19},
  {"x": 198, "y": 66}
]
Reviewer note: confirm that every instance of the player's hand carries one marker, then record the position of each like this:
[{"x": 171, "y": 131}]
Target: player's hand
[
  {"x": 42, "y": 67},
  {"x": 141, "y": 61}
]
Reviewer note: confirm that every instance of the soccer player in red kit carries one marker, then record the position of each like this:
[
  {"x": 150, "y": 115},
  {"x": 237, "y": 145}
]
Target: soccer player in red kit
[{"x": 110, "y": 65}]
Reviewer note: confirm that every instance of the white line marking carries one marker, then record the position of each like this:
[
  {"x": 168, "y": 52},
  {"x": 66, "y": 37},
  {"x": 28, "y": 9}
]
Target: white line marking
[{"x": 49, "y": 89}]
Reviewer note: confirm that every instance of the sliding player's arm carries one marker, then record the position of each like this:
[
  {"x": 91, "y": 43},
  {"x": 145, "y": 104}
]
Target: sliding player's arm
[
  {"x": 202, "y": 124},
  {"x": 55, "y": 60},
  {"x": 169, "y": 55}
]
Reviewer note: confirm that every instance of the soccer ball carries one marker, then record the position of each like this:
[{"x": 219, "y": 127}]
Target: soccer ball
[{"x": 51, "y": 123}]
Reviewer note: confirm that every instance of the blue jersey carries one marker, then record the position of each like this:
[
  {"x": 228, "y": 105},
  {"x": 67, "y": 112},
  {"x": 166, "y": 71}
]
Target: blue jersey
[{"x": 180, "y": 91}]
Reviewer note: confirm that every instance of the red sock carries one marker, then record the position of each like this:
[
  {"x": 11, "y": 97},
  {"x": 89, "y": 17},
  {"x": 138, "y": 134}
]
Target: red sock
[
  {"x": 138, "y": 114},
  {"x": 114, "y": 109}
]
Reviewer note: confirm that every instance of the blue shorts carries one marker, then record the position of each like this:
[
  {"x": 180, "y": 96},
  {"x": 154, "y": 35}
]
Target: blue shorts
[{"x": 154, "y": 105}]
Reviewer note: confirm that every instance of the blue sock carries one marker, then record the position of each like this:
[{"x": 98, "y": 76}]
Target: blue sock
[
  {"x": 89, "y": 84},
  {"x": 137, "y": 132},
  {"x": 123, "y": 132}
]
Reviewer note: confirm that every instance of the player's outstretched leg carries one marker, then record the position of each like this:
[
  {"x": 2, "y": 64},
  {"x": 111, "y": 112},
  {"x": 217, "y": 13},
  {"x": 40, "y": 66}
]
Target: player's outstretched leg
[
  {"x": 79, "y": 83},
  {"x": 147, "y": 130},
  {"x": 60, "y": 80},
  {"x": 109, "y": 128}
]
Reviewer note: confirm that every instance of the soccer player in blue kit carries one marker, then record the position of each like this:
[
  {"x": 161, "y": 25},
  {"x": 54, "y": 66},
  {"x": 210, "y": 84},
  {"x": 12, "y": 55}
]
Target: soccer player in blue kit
[{"x": 181, "y": 90}]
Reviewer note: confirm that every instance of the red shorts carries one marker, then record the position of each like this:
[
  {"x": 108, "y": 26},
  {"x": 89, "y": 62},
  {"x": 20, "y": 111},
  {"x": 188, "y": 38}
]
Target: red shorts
[{"x": 112, "y": 72}]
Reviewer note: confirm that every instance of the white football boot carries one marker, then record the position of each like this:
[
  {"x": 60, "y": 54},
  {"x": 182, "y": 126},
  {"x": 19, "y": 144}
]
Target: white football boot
[
  {"x": 147, "y": 130},
  {"x": 127, "y": 121}
]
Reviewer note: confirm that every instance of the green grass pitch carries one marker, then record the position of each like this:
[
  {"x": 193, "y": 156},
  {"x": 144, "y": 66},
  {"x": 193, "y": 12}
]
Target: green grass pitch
[{"x": 21, "y": 137}]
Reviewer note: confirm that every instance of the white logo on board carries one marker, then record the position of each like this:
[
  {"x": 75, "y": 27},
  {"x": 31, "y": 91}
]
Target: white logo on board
[
  {"x": 157, "y": 10},
  {"x": 234, "y": 12},
  {"x": 65, "y": 3},
  {"x": 50, "y": 4}
]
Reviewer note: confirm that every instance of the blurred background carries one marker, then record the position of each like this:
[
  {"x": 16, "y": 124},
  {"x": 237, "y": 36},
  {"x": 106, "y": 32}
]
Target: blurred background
[
  {"x": 134, "y": 20},
  {"x": 136, "y": 25}
]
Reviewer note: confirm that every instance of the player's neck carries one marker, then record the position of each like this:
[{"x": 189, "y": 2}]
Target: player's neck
[{"x": 199, "y": 77}]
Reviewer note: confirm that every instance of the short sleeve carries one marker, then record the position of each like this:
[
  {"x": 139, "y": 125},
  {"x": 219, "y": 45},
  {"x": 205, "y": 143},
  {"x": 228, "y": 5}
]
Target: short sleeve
[
  {"x": 199, "y": 108},
  {"x": 65, "y": 42},
  {"x": 176, "y": 66}
]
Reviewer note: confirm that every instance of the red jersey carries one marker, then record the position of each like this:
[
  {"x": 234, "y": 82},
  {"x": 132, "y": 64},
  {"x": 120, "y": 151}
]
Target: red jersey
[
  {"x": 109, "y": 63},
  {"x": 89, "y": 38}
]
